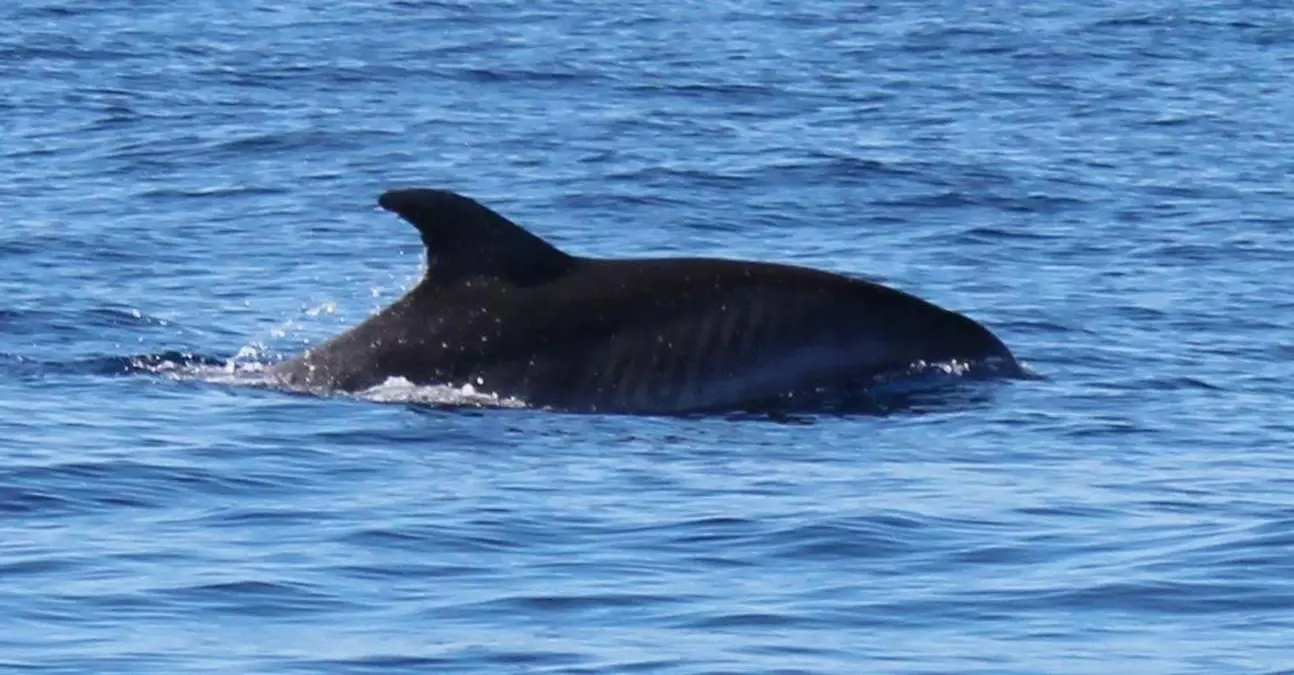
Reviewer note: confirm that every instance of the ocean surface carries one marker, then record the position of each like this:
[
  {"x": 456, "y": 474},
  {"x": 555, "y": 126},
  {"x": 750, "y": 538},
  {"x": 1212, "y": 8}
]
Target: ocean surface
[{"x": 188, "y": 193}]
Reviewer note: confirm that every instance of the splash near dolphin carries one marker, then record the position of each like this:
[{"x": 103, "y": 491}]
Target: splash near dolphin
[{"x": 506, "y": 312}]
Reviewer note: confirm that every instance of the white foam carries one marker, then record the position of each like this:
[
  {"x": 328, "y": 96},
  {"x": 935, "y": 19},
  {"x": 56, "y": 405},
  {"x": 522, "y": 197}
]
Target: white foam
[
  {"x": 954, "y": 367},
  {"x": 243, "y": 371},
  {"x": 400, "y": 390}
]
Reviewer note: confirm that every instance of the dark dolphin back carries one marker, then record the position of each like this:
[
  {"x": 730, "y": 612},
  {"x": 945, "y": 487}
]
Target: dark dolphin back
[
  {"x": 679, "y": 334},
  {"x": 502, "y": 309}
]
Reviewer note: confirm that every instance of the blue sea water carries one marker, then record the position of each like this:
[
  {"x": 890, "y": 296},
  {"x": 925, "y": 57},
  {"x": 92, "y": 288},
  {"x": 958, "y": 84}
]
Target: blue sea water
[{"x": 188, "y": 193}]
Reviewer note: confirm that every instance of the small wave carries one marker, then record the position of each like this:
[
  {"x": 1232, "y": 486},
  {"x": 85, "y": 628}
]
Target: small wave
[
  {"x": 994, "y": 234},
  {"x": 41, "y": 321},
  {"x": 940, "y": 200},
  {"x": 710, "y": 89},
  {"x": 527, "y": 75},
  {"x": 212, "y": 191},
  {"x": 161, "y": 362},
  {"x": 259, "y": 598},
  {"x": 283, "y": 141}
]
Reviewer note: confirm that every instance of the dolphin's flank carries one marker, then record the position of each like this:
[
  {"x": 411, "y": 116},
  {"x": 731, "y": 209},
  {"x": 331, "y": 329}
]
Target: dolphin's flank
[{"x": 507, "y": 312}]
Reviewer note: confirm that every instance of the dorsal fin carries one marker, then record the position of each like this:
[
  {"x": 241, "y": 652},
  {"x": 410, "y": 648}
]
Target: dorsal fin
[{"x": 465, "y": 240}]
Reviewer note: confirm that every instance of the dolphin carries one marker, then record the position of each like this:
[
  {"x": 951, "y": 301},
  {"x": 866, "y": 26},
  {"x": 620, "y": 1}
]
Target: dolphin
[{"x": 506, "y": 312}]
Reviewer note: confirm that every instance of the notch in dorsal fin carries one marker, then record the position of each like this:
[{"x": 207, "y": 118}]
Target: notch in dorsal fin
[{"x": 465, "y": 240}]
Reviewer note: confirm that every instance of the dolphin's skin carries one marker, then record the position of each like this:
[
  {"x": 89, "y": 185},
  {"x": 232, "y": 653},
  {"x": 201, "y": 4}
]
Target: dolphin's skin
[{"x": 506, "y": 312}]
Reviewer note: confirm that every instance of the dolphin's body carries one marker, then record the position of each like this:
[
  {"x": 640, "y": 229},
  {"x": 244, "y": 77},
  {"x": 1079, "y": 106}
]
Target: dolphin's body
[{"x": 504, "y": 311}]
